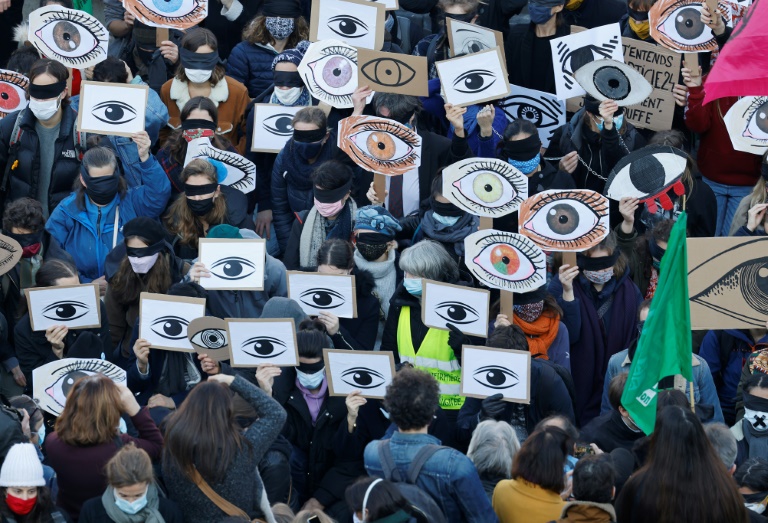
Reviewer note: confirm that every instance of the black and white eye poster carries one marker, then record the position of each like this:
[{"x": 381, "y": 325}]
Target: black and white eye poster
[
  {"x": 51, "y": 382},
  {"x": 486, "y": 371},
  {"x": 542, "y": 109},
  {"x": 254, "y": 342},
  {"x": 163, "y": 320},
  {"x": 114, "y": 109},
  {"x": 366, "y": 371},
  {"x": 74, "y": 306},
  {"x": 234, "y": 265},
  {"x": 473, "y": 79},
  {"x": 272, "y": 127},
  {"x": 317, "y": 293},
  {"x": 463, "y": 307},
  {"x": 355, "y": 22}
]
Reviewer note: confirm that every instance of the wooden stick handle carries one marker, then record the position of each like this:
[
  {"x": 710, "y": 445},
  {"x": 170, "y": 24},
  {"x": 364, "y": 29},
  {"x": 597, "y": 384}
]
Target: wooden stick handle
[
  {"x": 486, "y": 223},
  {"x": 380, "y": 186},
  {"x": 506, "y": 304},
  {"x": 161, "y": 35},
  {"x": 691, "y": 61},
  {"x": 569, "y": 258}
]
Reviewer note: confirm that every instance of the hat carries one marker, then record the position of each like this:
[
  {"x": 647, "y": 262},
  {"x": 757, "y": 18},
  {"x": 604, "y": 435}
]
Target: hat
[
  {"x": 22, "y": 467},
  {"x": 279, "y": 307},
  {"x": 145, "y": 228},
  {"x": 224, "y": 231},
  {"x": 612, "y": 80},
  {"x": 293, "y": 56},
  {"x": 282, "y": 8},
  {"x": 377, "y": 219}
]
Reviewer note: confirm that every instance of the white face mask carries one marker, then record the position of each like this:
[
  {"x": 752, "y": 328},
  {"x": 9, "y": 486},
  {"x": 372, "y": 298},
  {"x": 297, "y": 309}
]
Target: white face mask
[
  {"x": 288, "y": 96},
  {"x": 197, "y": 76},
  {"x": 44, "y": 109}
]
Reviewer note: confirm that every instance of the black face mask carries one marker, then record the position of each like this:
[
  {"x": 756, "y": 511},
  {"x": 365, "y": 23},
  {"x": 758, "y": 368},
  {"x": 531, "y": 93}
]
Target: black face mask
[
  {"x": 25, "y": 240},
  {"x": 101, "y": 190},
  {"x": 444, "y": 209},
  {"x": 371, "y": 251},
  {"x": 466, "y": 18},
  {"x": 200, "y": 207}
]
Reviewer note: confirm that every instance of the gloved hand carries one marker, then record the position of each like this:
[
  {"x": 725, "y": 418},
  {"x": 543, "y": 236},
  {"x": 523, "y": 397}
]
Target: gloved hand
[
  {"x": 493, "y": 407},
  {"x": 456, "y": 339}
]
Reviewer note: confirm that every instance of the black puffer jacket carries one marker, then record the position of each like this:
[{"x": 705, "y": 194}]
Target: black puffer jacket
[{"x": 360, "y": 333}]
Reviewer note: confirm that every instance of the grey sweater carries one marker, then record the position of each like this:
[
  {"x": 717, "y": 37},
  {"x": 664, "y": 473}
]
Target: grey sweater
[{"x": 242, "y": 484}]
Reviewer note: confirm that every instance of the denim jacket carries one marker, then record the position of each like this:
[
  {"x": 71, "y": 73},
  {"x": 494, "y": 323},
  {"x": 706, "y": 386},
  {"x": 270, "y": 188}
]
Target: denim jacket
[{"x": 448, "y": 476}]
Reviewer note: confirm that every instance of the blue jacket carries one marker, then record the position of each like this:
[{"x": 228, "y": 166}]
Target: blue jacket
[
  {"x": 87, "y": 234},
  {"x": 251, "y": 65},
  {"x": 449, "y": 477}
]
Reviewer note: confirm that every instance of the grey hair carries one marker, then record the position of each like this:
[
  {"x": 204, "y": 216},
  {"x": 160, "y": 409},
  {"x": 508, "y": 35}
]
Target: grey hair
[
  {"x": 724, "y": 442},
  {"x": 428, "y": 259},
  {"x": 99, "y": 157},
  {"x": 493, "y": 448}
]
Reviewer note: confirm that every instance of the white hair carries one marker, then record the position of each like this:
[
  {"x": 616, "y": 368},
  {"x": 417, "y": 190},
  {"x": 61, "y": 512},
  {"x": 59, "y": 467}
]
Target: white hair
[{"x": 493, "y": 447}]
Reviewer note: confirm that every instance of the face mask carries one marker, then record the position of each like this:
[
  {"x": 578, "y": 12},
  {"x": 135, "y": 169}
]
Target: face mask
[
  {"x": 279, "y": 28},
  {"x": 311, "y": 381},
  {"x": 356, "y": 519},
  {"x": 758, "y": 420},
  {"x": 641, "y": 29},
  {"x": 141, "y": 265},
  {"x": 539, "y": 15},
  {"x": 288, "y": 96},
  {"x": 617, "y": 121},
  {"x": 103, "y": 189},
  {"x": 41, "y": 435},
  {"x": 529, "y": 312},
  {"x": 526, "y": 167},
  {"x": 25, "y": 240},
  {"x": 197, "y": 76},
  {"x": 448, "y": 221},
  {"x": 755, "y": 502},
  {"x": 200, "y": 207},
  {"x": 599, "y": 277},
  {"x": 307, "y": 151},
  {"x": 630, "y": 424},
  {"x": 466, "y": 17},
  {"x": 371, "y": 251},
  {"x": 327, "y": 210},
  {"x": 413, "y": 286},
  {"x": 389, "y": 23},
  {"x": 131, "y": 507},
  {"x": 44, "y": 109},
  {"x": 19, "y": 506}
]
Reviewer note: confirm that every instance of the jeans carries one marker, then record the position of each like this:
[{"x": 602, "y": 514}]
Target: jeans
[
  {"x": 728, "y": 199},
  {"x": 273, "y": 248}
]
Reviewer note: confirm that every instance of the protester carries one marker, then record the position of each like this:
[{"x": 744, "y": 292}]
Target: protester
[
  {"x": 752, "y": 479},
  {"x": 376, "y": 499},
  {"x": 593, "y": 491},
  {"x": 492, "y": 449},
  {"x": 25, "y": 498},
  {"x": 615, "y": 428},
  {"x": 435, "y": 46},
  {"x": 751, "y": 432},
  {"x": 644, "y": 252}
]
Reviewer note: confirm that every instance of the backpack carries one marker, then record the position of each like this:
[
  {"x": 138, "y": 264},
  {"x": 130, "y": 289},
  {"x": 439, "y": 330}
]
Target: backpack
[
  {"x": 422, "y": 504},
  {"x": 10, "y": 428},
  {"x": 564, "y": 375}
]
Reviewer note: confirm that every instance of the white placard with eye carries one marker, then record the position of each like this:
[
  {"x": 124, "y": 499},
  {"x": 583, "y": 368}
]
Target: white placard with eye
[
  {"x": 569, "y": 53},
  {"x": 473, "y": 79},
  {"x": 486, "y": 371},
  {"x": 163, "y": 320},
  {"x": 51, "y": 382},
  {"x": 234, "y": 264},
  {"x": 256, "y": 342},
  {"x": 241, "y": 173},
  {"x": 114, "y": 109},
  {"x": 463, "y": 307},
  {"x": 13, "y": 89},
  {"x": 366, "y": 371},
  {"x": 467, "y": 38},
  {"x": 485, "y": 186},
  {"x": 542, "y": 109},
  {"x": 356, "y": 22},
  {"x": 747, "y": 123},
  {"x": 272, "y": 127},
  {"x": 74, "y": 306},
  {"x": 329, "y": 70},
  {"x": 70, "y": 36},
  {"x": 317, "y": 293}
]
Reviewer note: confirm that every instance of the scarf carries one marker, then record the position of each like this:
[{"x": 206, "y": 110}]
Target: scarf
[
  {"x": 470, "y": 120},
  {"x": 194, "y": 134},
  {"x": 540, "y": 333},
  {"x": 178, "y": 374},
  {"x": 652, "y": 284},
  {"x": 453, "y": 234},
  {"x": 149, "y": 514},
  {"x": 297, "y": 172},
  {"x": 304, "y": 100},
  {"x": 315, "y": 232},
  {"x": 384, "y": 278},
  {"x": 314, "y": 401}
]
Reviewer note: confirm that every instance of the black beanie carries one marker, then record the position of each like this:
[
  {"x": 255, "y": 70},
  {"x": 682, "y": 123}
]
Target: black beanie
[
  {"x": 282, "y": 8},
  {"x": 145, "y": 228}
]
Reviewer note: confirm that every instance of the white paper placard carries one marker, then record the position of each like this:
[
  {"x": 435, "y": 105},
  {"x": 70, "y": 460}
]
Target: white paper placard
[
  {"x": 13, "y": 92},
  {"x": 329, "y": 70},
  {"x": 179, "y": 14},
  {"x": 163, "y": 320},
  {"x": 505, "y": 260},
  {"x": 747, "y": 123},
  {"x": 463, "y": 307},
  {"x": 74, "y": 306},
  {"x": 485, "y": 186},
  {"x": 471, "y": 38},
  {"x": 486, "y": 371},
  {"x": 473, "y": 79},
  {"x": 234, "y": 264},
  {"x": 241, "y": 173},
  {"x": 70, "y": 36},
  {"x": 317, "y": 293},
  {"x": 272, "y": 127},
  {"x": 367, "y": 371},
  {"x": 112, "y": 109},
  {"x": 357, "y": 23},
  {"x": 52, "y": 381},
  {"x": 255, "y": 342},
  {"x": 542, "y": 109}
]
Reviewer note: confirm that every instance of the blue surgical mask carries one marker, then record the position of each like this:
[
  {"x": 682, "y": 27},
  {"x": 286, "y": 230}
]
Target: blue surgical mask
[
  {"x": 526, "y": 167},
  {"x": 41, "y": 435},
  {"x": 413, "y": 286},
  {"x": 617, "y": 122},
  {"x": 445, "y": 220},
  {"x": 539, "y": 15},
  {"x": 311, "y": 381},
  {"x": 131, "y": 507}
]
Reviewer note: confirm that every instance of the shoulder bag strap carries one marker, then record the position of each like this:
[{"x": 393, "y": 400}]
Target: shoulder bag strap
[
  {"x": 117, "y": 223},
  {"x": 388, "y": 463},
  {"x": 211, "y": 494},
  {"x": 419, "y": 460}
]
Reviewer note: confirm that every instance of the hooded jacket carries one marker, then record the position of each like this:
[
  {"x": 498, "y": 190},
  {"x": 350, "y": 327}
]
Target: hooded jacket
[
  {"x": 587, "y": 512},
  {"x": 251, "y": 65},
  {"x": 360, "y": 333}
]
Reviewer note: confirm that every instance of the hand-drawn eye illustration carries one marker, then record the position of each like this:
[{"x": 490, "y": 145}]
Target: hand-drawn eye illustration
[
  {"x": 241, "y": 173},
  {"x": 9, "y": 251},
  {"x": 544, "y": 113},
  {"x": 66, "y": 310},
  {"x": 210, "y": 338},
  {"x": 565, "y": 220},
  {"x": 486, "y": 187},
  {"x": 279, "y": 124},
  {"x": 454, "y": 312},
  {"x": 362, "y": 378},
  {"x": 264, "y": 347},
  {"x": 757, "y": 120},
  {"x": 505, "y": 260},
  {"x": 170, "y": 327},
  {"x": 322, "y": 298},
  {"x": 474, "y": 81},
  {"x": 69, "y": 36},
  {"x": 677, "y": 25},
  {"x": 380, "y": 145},
  {"x": 571, "y": 60},
  {"x": 388, "y": 71},
  {"x": 613, "y": 80},
  {"x": 348, "y": 26},
  {"x": 329, "y": 70},
  {"x": 13, "y": 94},
  {"x": 61, "y": 377},
  {"x": 470, "y": 41},
  {"x": 233, "y": 268},
  {"x": 181, "y": 14},
  {"x": 496, "y": 377},
  {"x": 114, "y": 112},
  {"x": 747, "y": 123}
]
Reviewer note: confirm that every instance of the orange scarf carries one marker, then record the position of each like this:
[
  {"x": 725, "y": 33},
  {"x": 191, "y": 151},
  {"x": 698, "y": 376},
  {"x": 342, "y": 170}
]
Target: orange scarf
[{"x": 540, "y": 333}]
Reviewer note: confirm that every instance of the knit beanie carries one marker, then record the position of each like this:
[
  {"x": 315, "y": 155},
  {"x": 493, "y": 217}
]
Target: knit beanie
[
  {"x": 377, "y": 219},
  {"x": 279, "y": 307},
  {"x": 282, "y": 8},
  {"x": 293, "y": 56},
  {"x": 22, "y": 467},
  {"x": 224, "y": 231},
  {"x": 146, "y": 228}
]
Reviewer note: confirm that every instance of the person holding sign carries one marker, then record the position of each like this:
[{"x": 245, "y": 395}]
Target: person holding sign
[{"x": 435, "y": 46}]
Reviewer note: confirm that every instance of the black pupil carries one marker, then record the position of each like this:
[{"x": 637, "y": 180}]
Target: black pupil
[
  {"x": 67, "y": 36},
  {"x": 264, "y": 348},
  {"x": 233, "y": 268},
  {"x": 381, "y": 146},
  {"x": 388, "y": 71},
  {"x": 172, "y": 327},
  {"x": 761, "y": 117},
  {"x": 457, "y": 313},
  {"x": 347, "y": 28},
  {"x": 495, "y": 377},
  {"x": 114, "y": 113},
  {"x": 337, "y": 72},
  {"x": 363, "y": 378},
  {"x": 473, "y": 81},
  {"x": 322, "y": 299},
  {"x": 505, "y": 260},
  {"x": 4, "y": 96},
  {"x": 487, "y": 187},
  {"x": 65, "y": 311},
  {"x": 70, "y": 379}
]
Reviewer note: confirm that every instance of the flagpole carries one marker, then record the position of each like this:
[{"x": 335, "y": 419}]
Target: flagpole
[{"x": 690, "y": 393}]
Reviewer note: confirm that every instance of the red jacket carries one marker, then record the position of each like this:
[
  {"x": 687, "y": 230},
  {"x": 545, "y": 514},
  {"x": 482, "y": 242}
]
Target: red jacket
[{"x": 717, "y": 159}]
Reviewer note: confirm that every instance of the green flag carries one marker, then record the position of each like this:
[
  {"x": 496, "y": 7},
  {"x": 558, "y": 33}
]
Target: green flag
[{"x": 664, "y": 348}]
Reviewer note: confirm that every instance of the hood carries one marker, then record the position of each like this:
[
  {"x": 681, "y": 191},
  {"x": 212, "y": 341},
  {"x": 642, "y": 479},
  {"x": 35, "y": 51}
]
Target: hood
[
  {"x": 588, "y": 512},
  {"x": 364, "y": 282},
  {"x": 21, "y": 34}
]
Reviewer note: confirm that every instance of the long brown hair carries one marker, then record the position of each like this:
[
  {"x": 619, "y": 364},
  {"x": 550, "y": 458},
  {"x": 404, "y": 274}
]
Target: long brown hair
[
  {"x": 256, "y": 32},
  {"x": 126, "y": 286},
  {"x": 195, "y": 40},
  {"x": 203, "y": 433},
  {"x": 177, "y": 145},
  {"x": 92, "y": 412}
]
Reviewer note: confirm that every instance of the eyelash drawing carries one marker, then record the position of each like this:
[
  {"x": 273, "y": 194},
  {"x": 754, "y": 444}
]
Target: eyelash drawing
[
  {"x": 486, "y": 187},
  {"x": 759, "y": 109},
  {"x": 11, "y": 251},
  {"x": 241, "y": 176},
  {"x": 363, "y": 378},
  {"x": 186, "y": 18},
  {"x": 114, "y": 112},
  {"x": 53, "y": 381},
  {"x": 388, "y": 71},
  {"x": 380, "y": 145},
  {"x": 572, "y": 59},
  {"x": 233, "y": 268},
  {"x": 340, "y": 81},
  {"x": 65, "y": 310},
  {"x": 572, "y": 220},
  {"x": 61, "y": 34},
  {"x": 471, "y": 79},
  {"x": 542, "y": 112},
  {"x": 13, "y": 88},
  {"x": 677, "y": 25},
  {"x": 348, "y": 26},
  {"x": 488, "y": 252},
  {"x": 322, "y": 298}
]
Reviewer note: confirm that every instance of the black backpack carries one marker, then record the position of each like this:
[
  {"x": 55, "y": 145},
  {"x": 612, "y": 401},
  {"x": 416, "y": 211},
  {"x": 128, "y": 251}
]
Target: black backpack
[
  {"x": 564, "y": 374},
  {"x": 10, "y": 428},
  {"x": 423, "y": 506}
]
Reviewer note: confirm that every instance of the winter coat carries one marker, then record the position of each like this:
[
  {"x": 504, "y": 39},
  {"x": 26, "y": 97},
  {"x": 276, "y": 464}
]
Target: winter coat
[
  {"x": 251, "y": 65},
  {"x": 518, "y": 51},
  {"x": 608, "y": 431},
  {"x": 228, "y": 24},
  {"x": 93, "y": 511},
  {"x": 587, "y": 512},
  {"x": 360, "y": 333},
  {"x": 292, "y": 253},
  {"x": 594, "y": 13}
]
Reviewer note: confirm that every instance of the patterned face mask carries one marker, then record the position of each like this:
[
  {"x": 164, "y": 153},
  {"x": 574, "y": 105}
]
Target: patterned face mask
[
  {"x": 529, "y": 312},
  {"x": 279, "y": 28},
  {"x": 599, "y": 277}
]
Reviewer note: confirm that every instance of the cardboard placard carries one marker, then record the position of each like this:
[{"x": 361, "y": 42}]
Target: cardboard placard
[
  {"x": 357, "y": 22},
  {"x": 393, "y": 72},
  {"x": 174, "y": 15},
  {"x": 315, "y": 293},
  {"x": 69, "y": 36},
  {"x": 208, "y": 335},
  {"x": 366, "y": 371},
  {"x": 234, "y": 264},
  {"x": 14, "y": 86},
  {"x": 464, "y": 38},
  {"x": 163, "y": 320},
  {"x": 254, "y": 342},
  {"x": 487, "y": 187},
  {"x": 272, "y": 127},
  {"x": 10, "y": 253},
  {"x": 112, "y": 109},
  {"x": 465, "y": 308},
  {"x": 486, "y": 371},
  {"x": 474, "y": 79},
  {"x": 380, "y": 145},
  {"x": 52, "y": 381},
  {"x": 542, "y": 109},
  {"x": 505, "y": 260},
  {"x": 74, "y": 306}
]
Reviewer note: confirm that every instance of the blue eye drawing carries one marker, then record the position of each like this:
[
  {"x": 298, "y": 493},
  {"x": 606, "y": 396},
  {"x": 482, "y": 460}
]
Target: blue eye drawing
[
  {"x": 362, "y": 378},
  {"x": 170, "y": 327},
  {"x": 496, "y": 377},
  {"x": 264, "y": 347},
  {"x": 233, "y": 268},
  {"x": 66, "y": 310}
]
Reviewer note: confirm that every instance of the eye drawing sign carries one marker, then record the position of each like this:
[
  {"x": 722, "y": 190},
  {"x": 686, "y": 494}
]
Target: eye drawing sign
[
  {"x": 329, "y": 70},
  {"x": 728, "y": 282},
  {"x": 389, "y": 5},
  {"x": 366, "y": 371},
  {"x": 542, "y": 109},
  {"x": 53, "y": 381},
  {"x": 241, "y": 173},
  {"x": 572, "y": 220},
  {"x": 485, "y": 186},
  {"x": 463, "y": 307},
  {"x": 355, "y": 22},
  {"x": 256, "y": 342},
  {"x": 173, "y": 14},
  {"x": 208, "y": 335},
  {"x": 393, "y": 72},
  {"x": 13, "y": 92},
  {"x": 677, "y": 25},
  {"x": 75, "y": 306},
  {"x": 10, "y": 253},
  {"x": 163, "y": 320},
  {"x": 113, "y": 109},
  {"x": 473, "y": 79},
  {"x": 69, "y": 36},
  {"x": 571, "y": 53},
  {"x": 747, "y": 122},
  {"x": 505, "y": 260},
  {"x": 236, "y": 264},
  {"x": 464, "y": 38},
  {"x": 272, "y": 127},
  {"x": 611, "y": 80},
  {"x": 486, "y": 371},
  {"x": 380, "y": 145},
  {"x": 316, "y": 293}
]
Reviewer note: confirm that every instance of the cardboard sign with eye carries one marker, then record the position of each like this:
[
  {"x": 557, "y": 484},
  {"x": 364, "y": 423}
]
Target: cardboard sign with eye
[
  {"x": 571, "y": 53},
  {"x": 53, "y": 381},
  {"x": 747, "y": 123},
  {"x": 234, "y": 264},
  {"x": 463, "y": 307},
  {"x": 13, "y": 92},
  {"x": 176, "y": 14},
  {"x": 366, "y": 371},
  {"x": 542, "y": 109},
  {"x": 677, "y": 25},
  {"x": 317, "y": 293},
  {"x": 611, "y": 80},
  {"x": 380, "y": 145},
  {"x": 505, "y": 260},
  {"x": 163, "y": 320},
  {"x": 10, "y": 253},
  {"x": 393, "y": 72},
  {"x": 464, "y": 38},
  {"x": 485, "y": 186},
  {"x": 649, "y": 174},
  {"x": 74, "y": 306},
  {"x": 573, "y": 220},
  {"x": 241, "y": 173},
  {"x": 389, "y": 5},
  {"x": 69, "y": 36},
  {"x": 329, "y": 70},
  {"x": 728, "y": 282},
  {"x": 355, "y": 22},
  {"x": 486, "y": 371},
  {"x": 272, "y": 127},
  {"x": 208, "y": 335},
  {"x": 113, "y": 109},
  {"x": 474, "y": 79},
  {"x": 256, "y": 342}
]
